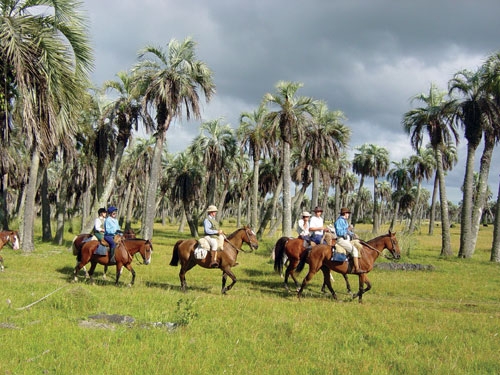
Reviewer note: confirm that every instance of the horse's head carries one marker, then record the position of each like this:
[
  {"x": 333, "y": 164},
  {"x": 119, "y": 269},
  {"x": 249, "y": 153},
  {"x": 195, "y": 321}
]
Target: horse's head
[
  {"x": 129, "y": 233},
  {"x": 251, "y": 238},
  {"x": 393, "y": 245},
  {"x": 146, "y": 251},
  {"x": 14, "y": 240}
]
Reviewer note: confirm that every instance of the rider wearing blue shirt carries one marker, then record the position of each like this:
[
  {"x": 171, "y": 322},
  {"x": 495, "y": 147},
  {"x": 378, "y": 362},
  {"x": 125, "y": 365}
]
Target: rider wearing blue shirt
[
  {"x": 111, "y": 228},
  {"x": 344, "y": 237}
]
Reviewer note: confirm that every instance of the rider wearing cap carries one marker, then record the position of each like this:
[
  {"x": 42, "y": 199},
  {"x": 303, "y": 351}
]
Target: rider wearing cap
[
  {"x": 345, "y": 235},
  {"x": 111, "y": 228},
  {"x": 213, "y": 234},
  {"x": 99, "y": 224}
]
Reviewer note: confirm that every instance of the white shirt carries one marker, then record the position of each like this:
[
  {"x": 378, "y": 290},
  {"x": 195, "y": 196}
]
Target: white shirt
[
  {"x": 303, "y": 227},
  {"x": 316, "y": 222}
]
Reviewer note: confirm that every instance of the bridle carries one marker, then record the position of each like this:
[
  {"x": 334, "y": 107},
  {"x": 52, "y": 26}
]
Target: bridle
[
  {"x": 392, "y": 251},
  {"x": 248, "y": 239},
  {"x": 138, "y": 260}
]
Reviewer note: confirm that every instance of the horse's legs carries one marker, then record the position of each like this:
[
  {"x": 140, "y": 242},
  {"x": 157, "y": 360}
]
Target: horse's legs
[
  {"x": 306, "y": 280},
  {"x": 119, "y": 270},
  {"x": 292, "y": 264},
  {"x": 347, "y": 285},
  {"x": 105, "y": 271},
  {"x": 1, "y": 264},
  {"x": 93, "y": 265},
  {"x": 363, "y": 279},
  {"x": 118, "y": 274},
  {"x": 227, "y": 272},
  {"x": 327, "y": 281}
]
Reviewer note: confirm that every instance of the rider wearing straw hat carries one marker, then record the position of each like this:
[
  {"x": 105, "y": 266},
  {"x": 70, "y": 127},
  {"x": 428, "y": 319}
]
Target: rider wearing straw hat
[
  {"x": 213, "y": 234},
  {"x": 345, "y": 235}
]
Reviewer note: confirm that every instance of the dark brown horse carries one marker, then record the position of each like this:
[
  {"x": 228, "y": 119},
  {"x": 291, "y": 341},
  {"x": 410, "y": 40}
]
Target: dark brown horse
[
  {"x": 319, "y": 258},
  {"x": 184, "y": 252},
  {"x": 124, "y": 252},
  {"x": 8, "y": 236},
  {"x": 288, "y": 249}
]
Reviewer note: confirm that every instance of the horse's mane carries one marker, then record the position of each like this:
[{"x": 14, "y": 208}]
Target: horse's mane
[{"x": 236, "y": 231}]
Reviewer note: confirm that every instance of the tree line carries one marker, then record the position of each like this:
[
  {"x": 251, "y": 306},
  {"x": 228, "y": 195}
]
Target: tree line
[{"x": 69, "y": 148}]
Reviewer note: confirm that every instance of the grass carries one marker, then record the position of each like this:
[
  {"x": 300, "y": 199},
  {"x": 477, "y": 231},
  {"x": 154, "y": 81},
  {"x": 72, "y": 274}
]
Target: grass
[{"x": 414, "y": 322}]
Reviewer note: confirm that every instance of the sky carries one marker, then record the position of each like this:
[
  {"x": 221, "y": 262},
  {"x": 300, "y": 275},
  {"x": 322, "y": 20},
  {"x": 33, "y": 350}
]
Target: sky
[{"x": 366, "y": 58}]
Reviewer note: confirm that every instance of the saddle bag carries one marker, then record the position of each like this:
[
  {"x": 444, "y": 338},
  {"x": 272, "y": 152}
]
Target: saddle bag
[{"x": 338, "y": 255}]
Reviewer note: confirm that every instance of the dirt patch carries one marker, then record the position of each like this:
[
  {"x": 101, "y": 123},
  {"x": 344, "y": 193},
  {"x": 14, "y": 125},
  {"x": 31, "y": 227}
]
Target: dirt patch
[
  {"x": 110, "y": 321},
  {"x": 404, "y": 267}
]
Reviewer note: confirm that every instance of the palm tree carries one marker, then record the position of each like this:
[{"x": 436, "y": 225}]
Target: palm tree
[
  {"x": 215, "y": 148},
  {"x": 422, "y": 166},
  {"x": 289, "y": 118},
  {"x": 401, "y": 179},
  {"x": 326, "y": 137},
  {"x": 170, "y": 82},
  {"x": 495, "y": 247},
  {"x": 46, "y": 55},
  {"x": 255, "y": 137},
  {"x": 371, "y": 161},
  {"x": 434, "y": 119}
]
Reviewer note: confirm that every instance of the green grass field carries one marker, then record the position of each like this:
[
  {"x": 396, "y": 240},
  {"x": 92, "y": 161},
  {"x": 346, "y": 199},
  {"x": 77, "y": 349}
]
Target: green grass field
[{"x": 412, "y": 322}]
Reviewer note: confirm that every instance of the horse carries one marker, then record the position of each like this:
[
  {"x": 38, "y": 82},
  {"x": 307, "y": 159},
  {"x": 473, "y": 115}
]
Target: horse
[
  {"x": 80, "y": 240},
  {"x": 124, "y": 252},
  {"x": 8, "y": 236},
  {"x": 319, "y": 258},
  {"x": 184, "y": 252},
  {"x": 291, "y": 249}
]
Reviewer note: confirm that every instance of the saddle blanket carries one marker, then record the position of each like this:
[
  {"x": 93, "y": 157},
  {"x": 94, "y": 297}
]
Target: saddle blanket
[
  {"x": 101, "y": 250},
  {"x": 202, "y": 249}
]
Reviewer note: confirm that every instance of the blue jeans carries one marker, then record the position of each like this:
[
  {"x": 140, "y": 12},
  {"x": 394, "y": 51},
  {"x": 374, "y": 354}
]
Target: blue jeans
[{"x": 316, "y": 238}]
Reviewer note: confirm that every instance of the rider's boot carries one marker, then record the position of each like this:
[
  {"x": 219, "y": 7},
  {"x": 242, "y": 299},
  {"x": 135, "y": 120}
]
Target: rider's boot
[
  {"x": 112, "y": 255},
  {"x": 214, "y": 263},
  {"x": 356, "y": 268}
]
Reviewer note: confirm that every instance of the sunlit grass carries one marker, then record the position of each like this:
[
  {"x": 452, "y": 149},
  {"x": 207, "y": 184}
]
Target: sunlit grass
[{"x": 415, "y": 322}]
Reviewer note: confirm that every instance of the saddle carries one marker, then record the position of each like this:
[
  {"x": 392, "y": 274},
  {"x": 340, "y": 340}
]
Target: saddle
[
  {"x": 201, "y": 251},
  {"x": 339, "y": 254}
]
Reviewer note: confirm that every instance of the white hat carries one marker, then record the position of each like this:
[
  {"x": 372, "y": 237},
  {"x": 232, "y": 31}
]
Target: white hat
[
  {"x": 305, "y": 213},
  {"x": 212, "y": 208}
]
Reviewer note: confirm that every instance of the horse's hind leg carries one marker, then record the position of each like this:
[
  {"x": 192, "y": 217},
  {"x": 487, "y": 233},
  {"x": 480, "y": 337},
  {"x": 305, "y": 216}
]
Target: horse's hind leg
[
  {"x": 289, "y": 272},
  {"x": 347, "y": 285},
  {"x": 225, "y": 274},
  {"x": 1, "y": 264}
]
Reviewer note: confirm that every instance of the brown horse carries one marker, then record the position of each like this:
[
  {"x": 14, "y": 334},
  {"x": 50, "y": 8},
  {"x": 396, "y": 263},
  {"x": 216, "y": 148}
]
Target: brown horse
[
  {"x": 184, "y": 252},
  {"x": 124, "y": 252},
  {"x": 319, "y": 258},
  {"x": 288, "y": 249},
  {"x": 8, "y": 236}
]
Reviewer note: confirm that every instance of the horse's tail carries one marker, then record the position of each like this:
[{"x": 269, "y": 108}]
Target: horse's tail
[
  {"x": 302, "y": 262},
  {"x": 75, "y": 249},
  {"x": 279, "y": 254},
  {"x": 175, "y": 254}
]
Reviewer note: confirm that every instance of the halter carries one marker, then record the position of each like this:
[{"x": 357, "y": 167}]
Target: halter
[{"x": 138, "y": 260}]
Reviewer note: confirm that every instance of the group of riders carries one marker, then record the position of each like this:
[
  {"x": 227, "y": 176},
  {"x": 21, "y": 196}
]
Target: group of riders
[{"x": 311, "y": 229}]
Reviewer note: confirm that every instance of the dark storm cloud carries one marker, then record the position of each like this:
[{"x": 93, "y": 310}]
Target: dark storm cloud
[{"x": 366, "y": 58}]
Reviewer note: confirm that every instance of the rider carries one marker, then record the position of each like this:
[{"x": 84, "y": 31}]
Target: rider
[
  {"x": 99, "y": 224},
  {"x": 316, "y": 226},
  {"x": 303, "y": 228},
  {"x": 111, "y": 227},
  {"x": 213, "y": 234},
  {"x": 345, "y": 235}
]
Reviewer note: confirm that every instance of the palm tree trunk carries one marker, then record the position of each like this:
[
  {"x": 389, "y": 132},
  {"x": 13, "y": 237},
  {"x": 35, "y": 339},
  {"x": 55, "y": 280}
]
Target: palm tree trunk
[
  {"x": 4, "y": 211},
  {"x": 495, "y": 248},
  {"x": 150, "y": 199},
  {"x": 28, "y": 217},
  {"x": 432, "y": 217},
  {"x": 287, "y": 207},
  {"x": 355, "y": 214},
  {"x": 465, "y": 221},
  {"x": 44, "y": 196},
  {"x": 445, "y": 220},
  {"x": 255, "y": 194},
  {"x": 415, "y": 208},
  {"x": 376, "y": 208},
  {"x": 479, "y": 203},
  {"x": 315, "y": 188}
]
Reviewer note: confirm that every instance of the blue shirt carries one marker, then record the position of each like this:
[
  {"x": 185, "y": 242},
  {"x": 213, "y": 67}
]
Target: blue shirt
[
  {"x": 209, "y": 226},
  {"x": 111, "y": 226},
  {"x": 342, "y": 227}
]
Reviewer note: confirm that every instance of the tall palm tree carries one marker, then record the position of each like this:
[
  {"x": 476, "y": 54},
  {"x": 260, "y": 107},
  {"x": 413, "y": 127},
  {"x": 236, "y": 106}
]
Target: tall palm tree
[
  {"x": 170, "y": 81},
  {"x": 326, "y": 138},
  {"x": 472, "y": 111},
  {"x": 255, "y": 137},
  {"x": 495, "y": 247},
  {"x": 289, "y": 118},
  {"x": 435, "y": 120},
  {"x": 46, "y": 55}
]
